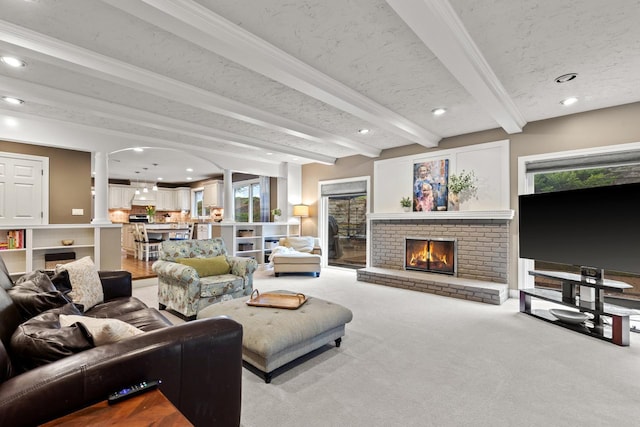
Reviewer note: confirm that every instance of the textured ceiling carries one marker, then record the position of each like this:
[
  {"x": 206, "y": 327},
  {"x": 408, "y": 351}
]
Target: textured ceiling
[{"x": 247, "y": 84}]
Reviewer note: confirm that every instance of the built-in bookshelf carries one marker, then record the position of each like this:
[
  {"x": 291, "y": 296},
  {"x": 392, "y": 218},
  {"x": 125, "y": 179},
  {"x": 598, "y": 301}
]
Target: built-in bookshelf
[
  {"x": 26, "y": 248},
  {"x": 254, "y": 239},
  {"x": 12, "y": 239}
]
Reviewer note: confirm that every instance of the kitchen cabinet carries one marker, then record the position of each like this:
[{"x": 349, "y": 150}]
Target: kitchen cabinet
[
  {"x": 213, "y": 194},
  {"x": 202, "y": 231},
  {"x": 183, "y": 197},
  {"x": 120, "y": 196},
  {"x": 166, "y": 200},
  {"x": 128, "y": 239}
]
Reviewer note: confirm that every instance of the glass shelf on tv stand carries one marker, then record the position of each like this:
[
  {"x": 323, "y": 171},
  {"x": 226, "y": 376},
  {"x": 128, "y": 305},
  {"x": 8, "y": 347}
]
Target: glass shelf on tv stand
[{"x": 617, "y": 332}]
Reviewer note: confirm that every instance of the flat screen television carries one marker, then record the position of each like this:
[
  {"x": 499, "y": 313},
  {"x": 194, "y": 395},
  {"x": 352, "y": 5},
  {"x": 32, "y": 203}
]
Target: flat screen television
[{"x": 596, "y": 227}]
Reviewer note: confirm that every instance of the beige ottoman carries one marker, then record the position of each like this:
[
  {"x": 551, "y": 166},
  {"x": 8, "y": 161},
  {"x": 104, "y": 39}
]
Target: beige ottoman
[
  {"x": 297, "y": 263},
  {"x": 273, "y": 337}
]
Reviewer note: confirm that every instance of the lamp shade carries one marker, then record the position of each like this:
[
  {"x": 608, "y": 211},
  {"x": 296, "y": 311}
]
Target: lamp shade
[{"x": 301, "y": 210}]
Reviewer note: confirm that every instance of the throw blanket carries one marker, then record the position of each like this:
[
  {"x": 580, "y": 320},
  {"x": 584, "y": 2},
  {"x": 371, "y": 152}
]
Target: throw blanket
[{"x": 283, "y": 250}]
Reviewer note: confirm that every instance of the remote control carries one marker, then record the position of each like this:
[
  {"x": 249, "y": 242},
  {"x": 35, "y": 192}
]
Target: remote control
[{"x": 131, "y": 391}]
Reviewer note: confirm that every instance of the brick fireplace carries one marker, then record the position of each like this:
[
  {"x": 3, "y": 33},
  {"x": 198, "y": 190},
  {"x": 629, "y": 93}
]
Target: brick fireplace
[{"x": 482, "y": 249}]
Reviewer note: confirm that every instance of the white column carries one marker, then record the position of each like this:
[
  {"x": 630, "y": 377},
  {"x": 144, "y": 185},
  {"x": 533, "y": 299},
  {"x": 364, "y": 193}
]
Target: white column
[
  {"x": 294, "y": 189},
  {"x": 101, "y": 188},
  {"x": 229, "y": 211},
  {"x": 283, "y": 191}
]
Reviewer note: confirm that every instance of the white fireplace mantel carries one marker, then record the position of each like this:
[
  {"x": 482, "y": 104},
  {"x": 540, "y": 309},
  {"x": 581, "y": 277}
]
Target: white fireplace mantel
[{"x": 502, "y": 215}]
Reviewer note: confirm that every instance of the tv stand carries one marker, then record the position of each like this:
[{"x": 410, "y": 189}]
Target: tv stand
[{"x": 617, "y": 332}]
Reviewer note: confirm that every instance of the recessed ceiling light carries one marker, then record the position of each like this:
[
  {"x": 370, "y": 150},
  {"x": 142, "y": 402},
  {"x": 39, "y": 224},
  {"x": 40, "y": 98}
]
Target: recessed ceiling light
[
  {"x": 13, "y": 62},
  {"x": 566, "y": 78},
  {"x": 569, "y": 101},
  {"x": 189, "y": 169},
  {"x": 138, "y": 149},
  {"x": 160, "y": 178},
  {"x": 269, "y": 154},
  {"x": 363, "y": 131},
  {"x": 11, "y": 122},
  {"x": 12, "y": 100},
  {"x": 189, "y": 178},
  {"x": 438, "y": 111}
]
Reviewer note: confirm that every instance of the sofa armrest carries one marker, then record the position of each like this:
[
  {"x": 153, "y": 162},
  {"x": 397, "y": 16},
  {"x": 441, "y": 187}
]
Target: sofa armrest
[
  {"x": 242, "y": 266},
  {"x": 175, "y": 271},
  {"x": 116, "y": 284},
  {"x": 199, "y": 364}
]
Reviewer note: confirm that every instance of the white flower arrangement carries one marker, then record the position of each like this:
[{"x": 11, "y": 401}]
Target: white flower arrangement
[{"x": 462, "y": 182}]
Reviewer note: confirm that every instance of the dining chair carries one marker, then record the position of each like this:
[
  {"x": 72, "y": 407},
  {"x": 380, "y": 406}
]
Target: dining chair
[{"x": 147, "y": 247}]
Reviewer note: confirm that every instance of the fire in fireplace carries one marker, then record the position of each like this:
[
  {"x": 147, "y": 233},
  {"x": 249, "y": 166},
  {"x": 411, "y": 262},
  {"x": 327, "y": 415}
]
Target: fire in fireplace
[{"x": 433, "y": 255}]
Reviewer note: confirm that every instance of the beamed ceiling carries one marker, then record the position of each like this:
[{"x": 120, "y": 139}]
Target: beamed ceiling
[{"x": 247, "y": 85}]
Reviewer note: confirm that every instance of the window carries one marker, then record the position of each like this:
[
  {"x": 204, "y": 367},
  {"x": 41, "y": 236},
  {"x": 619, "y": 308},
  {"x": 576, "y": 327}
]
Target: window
[
  {"x": 573, "y": 179},
  {"x": 247, "y": 201},
  {"x": 197, "y": 209}
]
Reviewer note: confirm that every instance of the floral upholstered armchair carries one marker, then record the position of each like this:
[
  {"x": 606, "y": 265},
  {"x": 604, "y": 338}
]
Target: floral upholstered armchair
[{"x": 193, "y": 274}]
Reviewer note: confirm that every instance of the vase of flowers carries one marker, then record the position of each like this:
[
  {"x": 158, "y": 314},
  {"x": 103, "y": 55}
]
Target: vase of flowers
[
  {"x": 151, "y": 213},
  {"x": 461, "y": 186},
  {"x": 276, "y": 214},
  {"x": 405, "y": 202}
]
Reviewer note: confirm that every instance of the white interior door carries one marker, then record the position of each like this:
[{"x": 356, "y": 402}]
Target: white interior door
[{"x": 22, "y": 180}]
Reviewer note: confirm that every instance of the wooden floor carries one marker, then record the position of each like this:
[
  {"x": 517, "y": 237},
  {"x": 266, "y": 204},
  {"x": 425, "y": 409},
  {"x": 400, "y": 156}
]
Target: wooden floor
[{"x": 139, "y": 269}]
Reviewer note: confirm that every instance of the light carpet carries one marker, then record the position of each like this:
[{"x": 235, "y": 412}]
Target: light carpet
[{"x": 416, "y": 359}]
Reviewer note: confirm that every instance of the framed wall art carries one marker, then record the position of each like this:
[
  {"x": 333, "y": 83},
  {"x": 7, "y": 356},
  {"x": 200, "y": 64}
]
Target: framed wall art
[{"x": 430, "y": 181}]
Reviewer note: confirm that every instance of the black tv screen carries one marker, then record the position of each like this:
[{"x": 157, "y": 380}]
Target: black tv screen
[{"x": 596, "y": 227}]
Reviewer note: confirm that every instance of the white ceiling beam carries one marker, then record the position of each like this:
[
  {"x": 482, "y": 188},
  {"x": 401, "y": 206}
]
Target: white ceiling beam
[
  {"x": 441, "y": 30},
  {"x": 38, "y": 129},
  {"x": 199, "y": 25},
  {"x": 144, "y": 80},
  {"x": 57, "y": 98}
]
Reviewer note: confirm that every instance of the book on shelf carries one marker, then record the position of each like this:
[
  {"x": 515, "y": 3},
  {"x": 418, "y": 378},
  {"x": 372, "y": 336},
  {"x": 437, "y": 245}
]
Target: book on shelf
[{"x": 14, "y": 240}]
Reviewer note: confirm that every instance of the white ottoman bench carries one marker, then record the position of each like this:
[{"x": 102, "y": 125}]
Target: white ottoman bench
[{"x": 273, "y": 337}]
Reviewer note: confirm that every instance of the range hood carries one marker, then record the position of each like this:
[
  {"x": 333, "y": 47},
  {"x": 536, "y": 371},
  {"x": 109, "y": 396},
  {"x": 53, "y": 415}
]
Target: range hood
[{"x": 144, "y": 198}]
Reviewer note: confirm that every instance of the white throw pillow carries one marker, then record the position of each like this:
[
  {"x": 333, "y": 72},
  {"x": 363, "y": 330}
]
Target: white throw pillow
[
  {"x": 301, "y": 244},
  {"x": 103, "y": 331},
  {"x": 86, "y": 288}
]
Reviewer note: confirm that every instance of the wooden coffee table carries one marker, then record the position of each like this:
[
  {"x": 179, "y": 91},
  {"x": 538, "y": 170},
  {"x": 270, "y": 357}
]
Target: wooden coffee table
[{"x": 148, "y": 409}]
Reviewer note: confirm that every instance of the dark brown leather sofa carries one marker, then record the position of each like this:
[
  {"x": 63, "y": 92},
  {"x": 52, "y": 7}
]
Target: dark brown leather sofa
[{"x": 199, "y": 363}]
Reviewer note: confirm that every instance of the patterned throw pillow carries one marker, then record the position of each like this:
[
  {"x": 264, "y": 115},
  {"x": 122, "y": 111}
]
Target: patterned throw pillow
[
  {"x": 103, "y": 331},
  {"x": 86, "y": 288}
]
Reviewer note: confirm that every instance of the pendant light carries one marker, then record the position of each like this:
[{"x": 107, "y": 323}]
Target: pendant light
[{"x": 137, "y": 184}]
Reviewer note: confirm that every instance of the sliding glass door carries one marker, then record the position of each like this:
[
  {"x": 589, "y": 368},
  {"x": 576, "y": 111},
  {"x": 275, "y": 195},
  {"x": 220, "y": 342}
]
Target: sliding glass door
[
  {"x": 347, "y": 231},
  {"x": 343, "y": 221}
]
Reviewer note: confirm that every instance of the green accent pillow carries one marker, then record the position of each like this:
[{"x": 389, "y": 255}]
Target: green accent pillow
[{"x": 213, "y": 266}]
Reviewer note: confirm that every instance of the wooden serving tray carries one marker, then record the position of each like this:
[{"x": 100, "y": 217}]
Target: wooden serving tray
[{"x": 274, "y": 300}]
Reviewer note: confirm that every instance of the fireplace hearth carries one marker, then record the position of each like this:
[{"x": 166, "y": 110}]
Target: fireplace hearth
[{"x": 432, "y": 255}]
